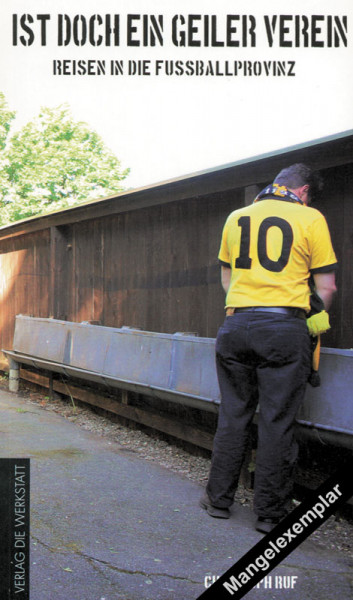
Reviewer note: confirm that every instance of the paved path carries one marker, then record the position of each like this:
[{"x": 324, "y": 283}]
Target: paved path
[{"x": 107, "y": 525}]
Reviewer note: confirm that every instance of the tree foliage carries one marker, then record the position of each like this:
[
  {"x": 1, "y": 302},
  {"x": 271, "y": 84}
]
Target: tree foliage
[
  {"x": 6, "y": 116},
  {"x": 53, "y": 162}
]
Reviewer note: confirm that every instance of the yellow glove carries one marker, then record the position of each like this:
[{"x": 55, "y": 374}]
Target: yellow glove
[{"x": 318, "y": 323}]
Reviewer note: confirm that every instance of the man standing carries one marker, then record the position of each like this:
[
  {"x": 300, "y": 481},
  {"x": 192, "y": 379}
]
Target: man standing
[{"x": 269, "y": 250}]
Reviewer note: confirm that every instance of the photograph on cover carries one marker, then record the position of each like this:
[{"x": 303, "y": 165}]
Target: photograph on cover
[{"x": 176, "y": 319}]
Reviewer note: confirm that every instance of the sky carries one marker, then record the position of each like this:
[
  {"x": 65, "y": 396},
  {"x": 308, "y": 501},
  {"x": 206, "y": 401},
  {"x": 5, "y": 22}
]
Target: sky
[{"x": 166, "y": 126}]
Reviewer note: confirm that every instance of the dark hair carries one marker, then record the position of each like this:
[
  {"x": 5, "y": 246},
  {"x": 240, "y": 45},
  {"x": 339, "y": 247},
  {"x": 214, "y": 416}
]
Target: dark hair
[{"x": 299, "y": 174}]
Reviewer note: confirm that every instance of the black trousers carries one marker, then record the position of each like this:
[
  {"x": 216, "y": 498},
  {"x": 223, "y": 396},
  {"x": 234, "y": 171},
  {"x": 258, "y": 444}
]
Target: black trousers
[{"x": 261, "y": 358}]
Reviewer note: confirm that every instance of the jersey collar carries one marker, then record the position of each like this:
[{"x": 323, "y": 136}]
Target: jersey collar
[{"x": 278, "y": 192}]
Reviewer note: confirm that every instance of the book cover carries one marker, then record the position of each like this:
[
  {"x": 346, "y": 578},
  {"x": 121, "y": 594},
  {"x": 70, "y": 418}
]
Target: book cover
[{"x": 174, "y": 90}]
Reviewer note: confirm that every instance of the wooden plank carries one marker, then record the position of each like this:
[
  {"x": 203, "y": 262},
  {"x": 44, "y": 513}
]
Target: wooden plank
[
  {"x": 7, "y": 278},
  {"x": 345, "y": 280},
  {"x": 220, "y": 206},
  {"x": 25, "y": 278},
  {"x": 61, "y": 253},
  {"x": 125, "y": 261},
  {"x": 336, "y": 205},
  {"x": 112, "y": 249},
  {"x": 32, "y": 377},
  {"x": 98, "y": 271},
  {"x": 84, "y": 271},
  {"x": 41, "y": 287},
  {"x": 18, "y": 256},
  {"x": 165, "y": 424}
]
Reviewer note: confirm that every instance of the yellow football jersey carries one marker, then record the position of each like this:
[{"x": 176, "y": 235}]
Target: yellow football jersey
[{"x": 272, "y": 247}]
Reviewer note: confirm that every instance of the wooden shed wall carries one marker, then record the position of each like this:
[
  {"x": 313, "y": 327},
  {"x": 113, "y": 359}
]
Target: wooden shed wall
[{"x": 155, "y": 267}]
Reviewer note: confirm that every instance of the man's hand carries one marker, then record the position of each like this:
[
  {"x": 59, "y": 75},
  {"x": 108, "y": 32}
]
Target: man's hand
[{"x": 318, "y": 323}]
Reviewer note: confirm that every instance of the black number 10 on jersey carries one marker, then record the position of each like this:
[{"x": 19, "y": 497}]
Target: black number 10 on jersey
[{"x": 244, "y": 261}]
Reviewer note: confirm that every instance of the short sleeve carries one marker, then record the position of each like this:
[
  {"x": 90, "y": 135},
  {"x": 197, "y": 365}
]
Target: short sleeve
[{"x": 224, "y": 256}]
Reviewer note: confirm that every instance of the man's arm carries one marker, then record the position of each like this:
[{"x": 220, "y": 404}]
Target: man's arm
[
  {"x": 226, "y": 273},
  {"x": 325, "y": 284}
]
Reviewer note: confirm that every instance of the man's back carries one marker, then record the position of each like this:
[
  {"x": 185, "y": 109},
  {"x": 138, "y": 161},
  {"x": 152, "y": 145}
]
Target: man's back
[{"x": 272, "y": 246}]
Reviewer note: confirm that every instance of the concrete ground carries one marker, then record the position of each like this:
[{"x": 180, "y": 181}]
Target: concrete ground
[{"x": 108, "y": 525}]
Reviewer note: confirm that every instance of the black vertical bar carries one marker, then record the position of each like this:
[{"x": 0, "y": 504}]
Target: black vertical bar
[{"x": 14, "y": 528}]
